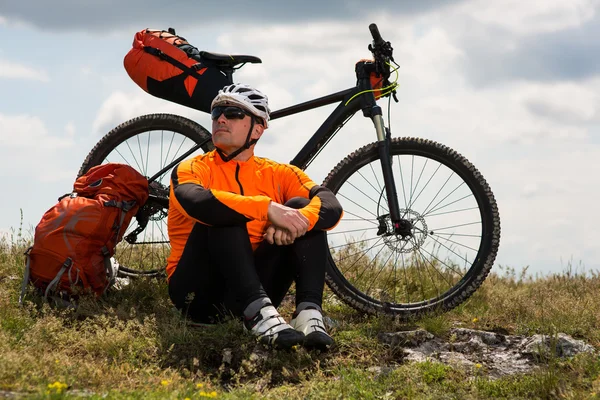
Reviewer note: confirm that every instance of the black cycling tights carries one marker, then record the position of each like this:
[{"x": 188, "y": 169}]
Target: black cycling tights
[{"x": 219, "y": 274}]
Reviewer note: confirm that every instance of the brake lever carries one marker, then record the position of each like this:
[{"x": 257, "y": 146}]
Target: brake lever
[{"x": 383, "y": 54}]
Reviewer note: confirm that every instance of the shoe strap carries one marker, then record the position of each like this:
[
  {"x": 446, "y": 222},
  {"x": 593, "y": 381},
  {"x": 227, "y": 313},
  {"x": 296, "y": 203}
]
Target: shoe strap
[
  {"x": 270, "y": 323},
  {"x": 311, "y": 319}
]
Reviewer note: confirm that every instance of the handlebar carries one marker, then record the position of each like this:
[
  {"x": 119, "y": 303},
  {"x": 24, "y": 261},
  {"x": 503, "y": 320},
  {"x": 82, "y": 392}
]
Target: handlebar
[
  {"x": 377, "y": 40},
  {"x": 382, "y": 52}
]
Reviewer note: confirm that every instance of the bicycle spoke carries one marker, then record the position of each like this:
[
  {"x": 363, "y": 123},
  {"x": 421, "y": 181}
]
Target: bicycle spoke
[
  {"x": 162, "y": 133},
  {"x": 412, "y": 170},
  {"x": 456, "y": 226},
  {"x": 369, "y": 264},
  {"x": 371, "y": 221},
  {"x": 452, "y": 251},
  {"x": 449, "y": 204},
  {"x": 459, "y": 244},
  {"x": 441, "y": 262},
  {"x": 169, "y": 149},
  {"x": 133, "y": 155},
  {"x": 453, "y": 211},
  {"x": 352, "y": 230},
  {"x": 359, "y": 218},
  {"x": 366, "y": 195},
  {"x": 379, "y": 191},
  {"x": 424, "y": 262},
  {"x": 375, "y": 176},
  {"x": 355, "y": 203},
  {"x": 448, "y": 195},
  {"x": 141, "y": 156},
  {"x": 346, "y": 244},
  {"x": 437, "y": 194},
  {"x": 374, "y": 279},
  {"x": 458, "y": 234},
  {"x": 147, "y": 153},
  {"x": 411, "y": 202},
  {"x": 402, "y": 180},
  {"x": 177, "y": 152},
  {"x": 426, "y": 184},
  {"x": 437, "y": 270}
]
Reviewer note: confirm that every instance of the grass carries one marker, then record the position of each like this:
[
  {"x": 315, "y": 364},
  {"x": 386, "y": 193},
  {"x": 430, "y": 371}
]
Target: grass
[{"x": 131, "y": 344}]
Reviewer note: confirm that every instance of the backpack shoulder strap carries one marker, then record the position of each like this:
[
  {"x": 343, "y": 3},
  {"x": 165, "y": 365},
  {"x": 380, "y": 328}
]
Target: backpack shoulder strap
[{"x": 54, "y": 282}]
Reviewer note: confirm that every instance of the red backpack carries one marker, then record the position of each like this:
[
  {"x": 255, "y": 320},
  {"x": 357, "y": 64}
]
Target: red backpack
[
  {"x": 75, "y": 239},
  {"x": 167, "y": 66}
]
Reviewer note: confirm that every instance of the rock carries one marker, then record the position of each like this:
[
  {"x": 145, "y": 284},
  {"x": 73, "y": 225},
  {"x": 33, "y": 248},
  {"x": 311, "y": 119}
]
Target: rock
[
  {"x": 489, "y": 338},
  {"x": 227, "y": 356},
  {"x": 456, "y": 360},
  {"x": 564, "y": 346},
  {"x": 414, "y": 356},
  {"x": 405, "y": 338},
  {"x": 499, "y": 354}
]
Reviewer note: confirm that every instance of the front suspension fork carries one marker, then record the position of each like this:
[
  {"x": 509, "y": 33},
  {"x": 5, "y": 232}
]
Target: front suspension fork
[{"x": 383, "y": 148}]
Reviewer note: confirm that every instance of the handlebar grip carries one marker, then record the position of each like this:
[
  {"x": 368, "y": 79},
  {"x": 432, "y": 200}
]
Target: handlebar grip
[{"x": 376, "y": 35}]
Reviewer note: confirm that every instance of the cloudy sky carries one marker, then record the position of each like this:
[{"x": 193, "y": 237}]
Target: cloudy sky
[{"x": 512, "y": 85}]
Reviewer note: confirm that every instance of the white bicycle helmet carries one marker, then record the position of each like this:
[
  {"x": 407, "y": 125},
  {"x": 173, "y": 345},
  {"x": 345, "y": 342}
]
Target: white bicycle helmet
[{"x": 245, "y": 96}]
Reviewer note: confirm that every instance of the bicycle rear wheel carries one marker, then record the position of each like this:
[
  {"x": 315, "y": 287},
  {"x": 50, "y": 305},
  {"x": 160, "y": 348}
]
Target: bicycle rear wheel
[
  {"x": 455, "y": 230},
  {"x": 148, "y": 144}
]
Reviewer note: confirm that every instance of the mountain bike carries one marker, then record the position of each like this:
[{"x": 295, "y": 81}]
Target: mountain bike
[{"x": 420, "y": 229}]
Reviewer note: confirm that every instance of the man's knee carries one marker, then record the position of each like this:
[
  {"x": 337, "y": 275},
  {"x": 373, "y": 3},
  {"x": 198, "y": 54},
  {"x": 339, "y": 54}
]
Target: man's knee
[{"x": 297, "y": 202}]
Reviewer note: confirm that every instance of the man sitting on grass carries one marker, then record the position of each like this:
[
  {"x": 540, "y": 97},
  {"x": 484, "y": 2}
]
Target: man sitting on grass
[{"x": 243, "y": 228}]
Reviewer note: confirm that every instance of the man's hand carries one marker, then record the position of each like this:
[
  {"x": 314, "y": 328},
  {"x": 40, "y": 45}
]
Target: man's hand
[
  {"x": 287, "y": 219},
  {"x": 279, "y": 236}
]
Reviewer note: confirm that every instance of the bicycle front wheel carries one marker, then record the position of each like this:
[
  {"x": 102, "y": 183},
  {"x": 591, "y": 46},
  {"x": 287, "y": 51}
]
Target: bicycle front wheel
[
  {"x": 148, "y": 143},
  {"x": 454, "y": 230}
]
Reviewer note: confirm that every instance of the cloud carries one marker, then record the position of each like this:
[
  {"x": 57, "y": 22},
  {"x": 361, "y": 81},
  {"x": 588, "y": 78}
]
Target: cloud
[
  {"x": 30, "y": 150},
  {"x": 123, "y": 106},
  {"x": 25, "y": 131},
  {"x": 566, "y": 103},
  {"x": 65, "y": 15},
  {"x": 532, "y": 41},
  {"x": 531, "y": 17},
  {"x": 10, "y": 70}
]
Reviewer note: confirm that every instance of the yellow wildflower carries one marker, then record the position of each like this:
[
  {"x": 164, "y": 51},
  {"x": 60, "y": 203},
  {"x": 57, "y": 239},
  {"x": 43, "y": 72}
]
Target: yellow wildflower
[
  {"x": 478, "y": 365},
  {"x": 212, "y": 394},
  {"x": 475, "y": 320},
  {"x": 199, "y": 385},
  {"x": 57, "y": 386},
  {"x": 165, "y": 382}
]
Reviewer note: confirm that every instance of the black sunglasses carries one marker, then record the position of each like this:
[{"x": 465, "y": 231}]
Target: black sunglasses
[{"x": 230, "y": 112}]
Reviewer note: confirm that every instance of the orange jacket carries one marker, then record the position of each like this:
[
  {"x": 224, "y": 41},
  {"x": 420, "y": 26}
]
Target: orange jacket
[{"x": 208, "y": 190}]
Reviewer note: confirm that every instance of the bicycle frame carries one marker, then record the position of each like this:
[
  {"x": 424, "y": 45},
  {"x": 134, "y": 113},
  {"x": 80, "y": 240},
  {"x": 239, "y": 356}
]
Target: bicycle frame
[{"x": 362, "y": 98}]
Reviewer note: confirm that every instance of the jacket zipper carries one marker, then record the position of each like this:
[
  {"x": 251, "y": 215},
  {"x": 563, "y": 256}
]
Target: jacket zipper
[{"x": 237, "y": 171}]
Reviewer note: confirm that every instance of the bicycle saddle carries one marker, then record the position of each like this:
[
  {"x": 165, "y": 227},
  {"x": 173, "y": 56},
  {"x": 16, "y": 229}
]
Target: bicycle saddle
[{"x": 230, "y": 59}]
